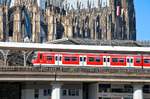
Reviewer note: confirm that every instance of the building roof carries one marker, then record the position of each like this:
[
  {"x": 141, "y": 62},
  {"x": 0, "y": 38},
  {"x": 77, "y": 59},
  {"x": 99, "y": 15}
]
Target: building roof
[{"x": 78, "y": 41}]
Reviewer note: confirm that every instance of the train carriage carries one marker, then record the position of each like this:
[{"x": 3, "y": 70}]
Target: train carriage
[{"x": 90, "y": 59}]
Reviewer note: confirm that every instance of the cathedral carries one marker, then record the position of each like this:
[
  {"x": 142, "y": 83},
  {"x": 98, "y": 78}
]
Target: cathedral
[{"x": 42, "y": 21}]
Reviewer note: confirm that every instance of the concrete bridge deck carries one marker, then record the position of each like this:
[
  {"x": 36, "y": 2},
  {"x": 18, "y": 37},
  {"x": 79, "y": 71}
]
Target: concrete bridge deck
[{"x": 83, "y": 74}]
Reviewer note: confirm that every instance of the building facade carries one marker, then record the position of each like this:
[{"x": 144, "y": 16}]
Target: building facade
[
  {"x": 78, "y": 90},
  {"x": 42, "y": 21}
]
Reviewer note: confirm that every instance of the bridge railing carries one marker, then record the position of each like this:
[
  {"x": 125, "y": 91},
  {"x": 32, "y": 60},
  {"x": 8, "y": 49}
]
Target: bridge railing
[{"x": 61, "y": 69}]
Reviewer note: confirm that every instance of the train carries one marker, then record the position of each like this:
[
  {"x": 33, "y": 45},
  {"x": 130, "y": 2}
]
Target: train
[{"x": 49, "y": 59}]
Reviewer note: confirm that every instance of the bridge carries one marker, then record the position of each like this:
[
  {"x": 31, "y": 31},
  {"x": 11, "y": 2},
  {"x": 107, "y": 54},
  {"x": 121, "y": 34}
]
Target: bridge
[
  {"x": 57, "y": 75},
  {"x": 26, "y": 49},
  {"x": 82, "y": 74}
]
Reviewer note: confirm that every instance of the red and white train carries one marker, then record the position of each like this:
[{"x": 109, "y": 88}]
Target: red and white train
[{"x": 90, "y": 59}]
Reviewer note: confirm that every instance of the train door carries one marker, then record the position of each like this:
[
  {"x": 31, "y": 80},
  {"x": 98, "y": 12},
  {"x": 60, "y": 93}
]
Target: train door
[
  {"x": 106, "y": 61},
  {"x": 58, "y": 59},
  {"x": 83, "y": 59},
  {"x": 130, "y": 61}
]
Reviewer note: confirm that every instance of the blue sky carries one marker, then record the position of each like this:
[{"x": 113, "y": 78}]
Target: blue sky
[{"x": 142, "y": 8}]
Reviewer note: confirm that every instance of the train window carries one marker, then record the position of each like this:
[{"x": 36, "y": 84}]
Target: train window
[
  {"x": 56, "y": 58},
  {"x": 80, "y": 58},
  {"x": 104, "y": 59},
  {"x": 97, "y": 59},
  {"x": 138, "y": 60},
  {"x": 91, "y": 59},
  {"x": 114, "y": 59},
  {"x": 41, "y": 56},
  {"x": 131, "y": 61},
  {"x": 121, "y": 60},
  {"x": 108, "y": 59},
  {"x": 49, "y": 57},
  {"x": 84, "y": 59},
  {"x": 67, "y": 58},
  {"x": 74, "y": 58},
  {"x": 128, "y": 60},
  {"x": 60, "y": 58},
  {"x": 34, "y": 57},
  {"x": 147, "y": 61}
]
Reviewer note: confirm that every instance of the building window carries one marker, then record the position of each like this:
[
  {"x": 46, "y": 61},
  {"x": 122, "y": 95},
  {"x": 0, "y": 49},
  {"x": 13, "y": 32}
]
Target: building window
[
  {"x": 70, "y": 92},
  {"x": 128, "y": 98},
  {"x": 36, "y": 94},
  {"x": 104, "y": 98},
  {"x": 128, "y": 89},
  {"x": 146, "y": 89},
  {"x": 47, "y": 92},
  {"x": 104, "y": 87},
  {"x": 117, "y": 90},
  {"x": 64, "y": 92},
  {"x": 73, "y": 92}
]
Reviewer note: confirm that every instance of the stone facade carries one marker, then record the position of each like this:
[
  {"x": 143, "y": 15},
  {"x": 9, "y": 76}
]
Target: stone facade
[{"x": 26, "y": 21}]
